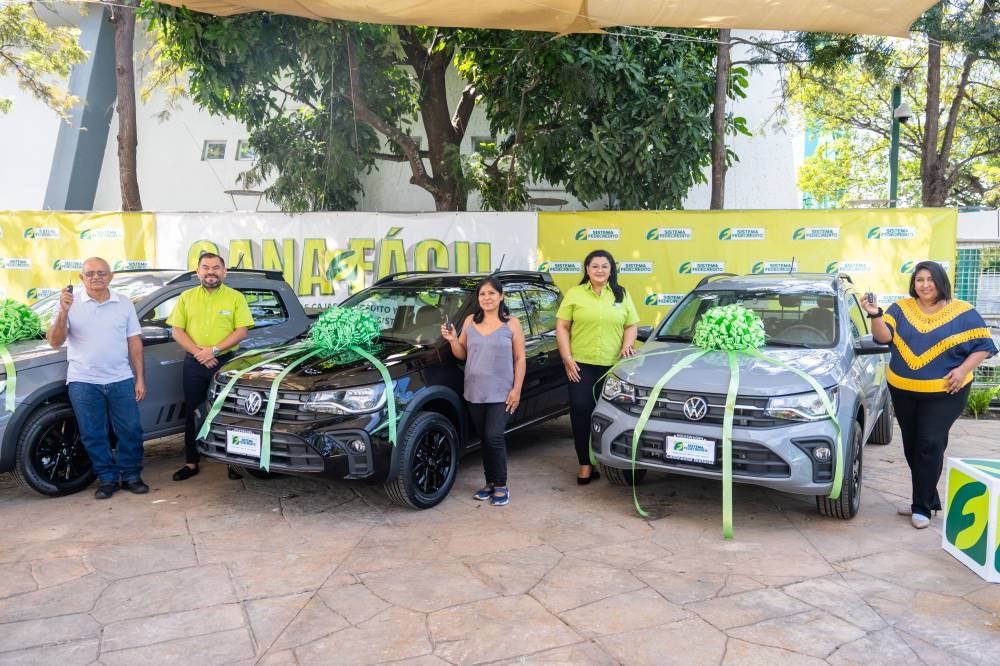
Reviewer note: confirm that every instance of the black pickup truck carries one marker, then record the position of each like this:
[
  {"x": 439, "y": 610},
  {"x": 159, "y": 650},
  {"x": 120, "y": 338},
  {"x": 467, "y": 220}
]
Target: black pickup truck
[
  {"x": 40, "y": 442},
  {"x": 331, "y": 416}
]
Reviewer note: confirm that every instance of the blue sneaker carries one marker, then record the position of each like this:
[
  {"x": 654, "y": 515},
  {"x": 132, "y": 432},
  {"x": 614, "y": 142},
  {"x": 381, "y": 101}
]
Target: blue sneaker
[
  {"x": 483, "y": 494},
  {"x": 502, "y": 498}
]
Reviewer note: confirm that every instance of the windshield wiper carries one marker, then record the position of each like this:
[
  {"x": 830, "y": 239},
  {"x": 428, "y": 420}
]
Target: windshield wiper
[{"x": 673, "y": 338}]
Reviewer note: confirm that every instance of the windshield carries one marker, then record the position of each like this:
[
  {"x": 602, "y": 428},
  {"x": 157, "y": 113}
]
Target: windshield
[
  {"x": 134, "y": 287},
  {"x": 801, "y": 319},
  {"x": 414, "y": 315}
]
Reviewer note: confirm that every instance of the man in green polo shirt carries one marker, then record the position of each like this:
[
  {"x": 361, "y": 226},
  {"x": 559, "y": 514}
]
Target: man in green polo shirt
[{"x": 208, "y": 323}]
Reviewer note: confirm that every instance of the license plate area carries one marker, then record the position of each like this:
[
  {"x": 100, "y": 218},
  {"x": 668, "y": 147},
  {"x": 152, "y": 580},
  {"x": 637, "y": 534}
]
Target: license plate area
[
  {"x": 243, "y": 443},
  {"x": 684, "y": 448}
]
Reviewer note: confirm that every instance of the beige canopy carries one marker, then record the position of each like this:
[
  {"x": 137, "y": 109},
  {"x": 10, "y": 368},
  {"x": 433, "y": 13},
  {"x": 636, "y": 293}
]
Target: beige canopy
[{"x": 874, "y": 17}]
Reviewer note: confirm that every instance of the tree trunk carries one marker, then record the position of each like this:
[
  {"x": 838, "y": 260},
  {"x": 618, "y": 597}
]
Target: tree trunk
[
  {"x": 722, "y": 66},
  {"x": 123, "y": 18},
  {"x": 931, "y": 173}
]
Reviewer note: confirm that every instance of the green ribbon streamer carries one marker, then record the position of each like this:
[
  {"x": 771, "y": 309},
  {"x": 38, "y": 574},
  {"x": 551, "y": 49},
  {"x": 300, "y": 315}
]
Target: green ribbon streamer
[
  {"x": 17, "y": 322},
  {"x": 727, "y": 445},
  {"x": 11, "y": 383}
]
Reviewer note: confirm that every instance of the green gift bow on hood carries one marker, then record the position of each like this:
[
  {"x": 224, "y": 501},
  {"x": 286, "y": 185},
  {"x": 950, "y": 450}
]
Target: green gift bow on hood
[
  {"x": 17, "y": 322},
  {"x": 336, "y": 330},
  {"x": 733, "y": 330}
]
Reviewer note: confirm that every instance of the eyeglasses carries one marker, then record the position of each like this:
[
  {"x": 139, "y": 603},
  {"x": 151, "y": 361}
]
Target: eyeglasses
[{"x": 92, "y": 274}]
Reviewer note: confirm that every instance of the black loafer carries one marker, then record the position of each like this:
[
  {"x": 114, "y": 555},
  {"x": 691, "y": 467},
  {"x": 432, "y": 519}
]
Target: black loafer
[
  {"x": 137, "y": 486},
  {"x": 185, "y": 473},
  {"x": 105, "y": 490},
  {"x": 584, "y": 480}
]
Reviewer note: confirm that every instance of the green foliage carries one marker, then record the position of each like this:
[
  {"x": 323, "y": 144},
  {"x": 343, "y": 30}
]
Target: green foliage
[
  {"x": 979, "y": 400},
  {"x": 40, "y": 56},
  {"x": 500, "y": 180}
]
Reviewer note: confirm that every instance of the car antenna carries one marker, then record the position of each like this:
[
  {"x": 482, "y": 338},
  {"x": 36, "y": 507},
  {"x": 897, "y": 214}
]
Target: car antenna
[
  {"x": 791, "y": 266},
  {"x": 500, "y": 265}
]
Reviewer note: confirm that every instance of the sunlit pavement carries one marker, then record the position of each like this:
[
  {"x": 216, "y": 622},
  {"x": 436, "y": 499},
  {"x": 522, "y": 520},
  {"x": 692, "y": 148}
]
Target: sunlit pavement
[{"x": 292, "y": 571}]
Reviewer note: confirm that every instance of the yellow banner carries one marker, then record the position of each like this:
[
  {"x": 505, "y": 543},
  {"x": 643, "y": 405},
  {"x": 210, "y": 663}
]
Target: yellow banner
[
  {"x": 41, "y": 251},
  {"x": 661, "y": 255}
]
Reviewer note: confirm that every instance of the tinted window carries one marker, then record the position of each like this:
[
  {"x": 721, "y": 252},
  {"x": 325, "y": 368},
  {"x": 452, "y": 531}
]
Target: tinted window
[
  {"x": 515, "y": 302},
  {"x": 543, "y": 305},
  {"x": 158, "y": 315},
  {"x": 266, "y": 307},
  {"x": 411, "y": 313}
]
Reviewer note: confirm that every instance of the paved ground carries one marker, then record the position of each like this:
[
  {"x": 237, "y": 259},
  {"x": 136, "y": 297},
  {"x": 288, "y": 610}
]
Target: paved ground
[{"x": 213, "y": 571}]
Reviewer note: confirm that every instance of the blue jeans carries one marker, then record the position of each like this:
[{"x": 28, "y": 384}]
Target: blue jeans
[{"x": 93, "y": 404}]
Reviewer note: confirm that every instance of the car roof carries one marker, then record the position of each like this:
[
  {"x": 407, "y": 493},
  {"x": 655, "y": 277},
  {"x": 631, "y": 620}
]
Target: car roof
[
  {"x": 781, "y": 282},
  {"x": 434, "y": 279}
]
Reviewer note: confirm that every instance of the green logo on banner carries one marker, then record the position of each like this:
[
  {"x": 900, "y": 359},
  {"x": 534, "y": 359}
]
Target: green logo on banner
[
  {"x": 799, "y": 234},
  {"x": 652, "y": 234},
  {"x": 875, "y": 233},
  {"x": 726, "y": 234},
  {"x": 543, "y": 267},
  {"x": 29, "y": 232},
  {"x": 31, "y": 293},
  {"x": 581, "y": 235},
  {"x": 758, "y": 268},
  {"x": 968, "y": 515},
  {"x": 685, "y": 268},
  {"x": 832, "y": 267},
  {"x": 678, "y": 446},
  {"x": 651, "y": 299},
  {"x": 343, "y": 267},
  {"x": 57, "y": 264},
  {"x": 907, "y": 267}
]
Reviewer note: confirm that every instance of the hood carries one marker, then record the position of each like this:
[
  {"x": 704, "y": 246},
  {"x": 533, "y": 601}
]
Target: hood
[
  {"x": 328, "y": 373},
  {"x": 33, "y": 353},
  {"x": 710, "y": 373}
]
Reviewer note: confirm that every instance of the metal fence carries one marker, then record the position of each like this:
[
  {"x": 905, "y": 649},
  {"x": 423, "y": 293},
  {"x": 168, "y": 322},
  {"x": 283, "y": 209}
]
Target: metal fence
[{"x": 977, "y": 280}]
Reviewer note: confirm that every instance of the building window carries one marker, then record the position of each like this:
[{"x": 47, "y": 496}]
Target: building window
[
  {"x": 479, "y": 142},
  {"x": 214, "y": 150},
  {"x": 244, "y": 152}
]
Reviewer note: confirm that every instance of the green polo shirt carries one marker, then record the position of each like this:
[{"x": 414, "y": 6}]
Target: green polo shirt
[
  {"x": 209, "y": 316},
  {"x": 597, "y": 323}
]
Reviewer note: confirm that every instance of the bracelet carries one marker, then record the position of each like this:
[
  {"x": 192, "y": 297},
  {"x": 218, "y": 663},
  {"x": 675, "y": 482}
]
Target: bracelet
[{"x": 876, "y": 315}]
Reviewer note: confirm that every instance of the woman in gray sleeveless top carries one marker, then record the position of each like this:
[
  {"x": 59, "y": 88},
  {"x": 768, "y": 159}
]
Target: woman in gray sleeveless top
[{"x": 492, "y": 346}]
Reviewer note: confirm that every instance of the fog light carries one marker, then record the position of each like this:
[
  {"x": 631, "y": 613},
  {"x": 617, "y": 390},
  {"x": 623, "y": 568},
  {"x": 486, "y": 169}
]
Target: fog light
[
  {"x": 356, "y": 446},
  {"x": 821, "y": 453}
]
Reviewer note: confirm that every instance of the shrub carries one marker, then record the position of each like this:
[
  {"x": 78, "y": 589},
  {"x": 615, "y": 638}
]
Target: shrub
[{"x": 979, "y": 400}]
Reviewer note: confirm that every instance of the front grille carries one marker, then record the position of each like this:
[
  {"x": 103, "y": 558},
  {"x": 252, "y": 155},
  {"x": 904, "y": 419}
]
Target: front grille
[
  {"x": 749, "y": 412},
  {"x": 287, "y": 452},
  {"x": 287, "y": 410},
  {"x": 749, "y": 458}
]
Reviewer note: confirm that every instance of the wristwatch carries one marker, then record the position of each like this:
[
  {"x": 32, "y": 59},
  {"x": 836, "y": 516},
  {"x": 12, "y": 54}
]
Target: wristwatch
[
  {"x": 215, "y": 351},
  {"x": 877, "y": 314}
]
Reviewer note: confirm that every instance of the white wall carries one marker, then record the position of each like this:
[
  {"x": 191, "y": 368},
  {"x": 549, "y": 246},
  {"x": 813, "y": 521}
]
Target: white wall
[{"x": 27, "y": 142}]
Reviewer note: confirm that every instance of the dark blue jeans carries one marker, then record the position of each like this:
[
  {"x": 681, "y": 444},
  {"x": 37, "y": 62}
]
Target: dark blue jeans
[{"x": 94, "y": 405}]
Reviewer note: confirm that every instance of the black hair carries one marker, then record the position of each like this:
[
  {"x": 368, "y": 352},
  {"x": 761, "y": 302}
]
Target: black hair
[
  {"x": 477, "y": 311},
  {"x": 616, "y": 288},
  {"x": 938, "y": 276},
  {"x": 211, "y": 255}
]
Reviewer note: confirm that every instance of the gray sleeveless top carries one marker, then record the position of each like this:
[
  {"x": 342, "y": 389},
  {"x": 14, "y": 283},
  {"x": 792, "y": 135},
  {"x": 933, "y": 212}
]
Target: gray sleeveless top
[{"x": 489, "y": 365}]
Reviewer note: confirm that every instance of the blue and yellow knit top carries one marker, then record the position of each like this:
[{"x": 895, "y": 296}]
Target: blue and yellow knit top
[{"x": 926, "y": 347}]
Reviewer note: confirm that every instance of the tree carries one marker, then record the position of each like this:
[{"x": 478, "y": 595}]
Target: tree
[
  {"x": 37, "y": 53},
  {"x": 122, "y": 16}
]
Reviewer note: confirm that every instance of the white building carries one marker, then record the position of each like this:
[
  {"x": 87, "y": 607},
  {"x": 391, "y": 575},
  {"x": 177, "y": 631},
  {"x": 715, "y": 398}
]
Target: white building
[{"x": 190, "y": 161}]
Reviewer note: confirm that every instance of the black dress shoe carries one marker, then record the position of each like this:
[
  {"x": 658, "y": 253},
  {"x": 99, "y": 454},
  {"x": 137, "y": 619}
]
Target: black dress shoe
[
  {"x": 105, "y": 490},
  {"x": 584, "y": 480},
  {"x": 185, "y": 473},
  {"x": 137, "y": 486}
]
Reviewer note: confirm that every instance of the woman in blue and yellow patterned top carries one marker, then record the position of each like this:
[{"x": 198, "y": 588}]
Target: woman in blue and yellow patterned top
[{"x": 936, "y": 343}]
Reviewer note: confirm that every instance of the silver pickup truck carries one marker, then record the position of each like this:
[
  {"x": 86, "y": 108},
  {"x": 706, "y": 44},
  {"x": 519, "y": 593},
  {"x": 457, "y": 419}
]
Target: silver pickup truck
[{"x": 40, "y": 442}]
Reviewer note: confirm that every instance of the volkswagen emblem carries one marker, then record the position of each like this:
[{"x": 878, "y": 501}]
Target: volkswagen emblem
[
  {"x": 252, "y": 403},
  {"x": 695, "y": 408}
]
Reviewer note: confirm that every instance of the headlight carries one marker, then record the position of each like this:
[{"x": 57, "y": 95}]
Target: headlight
[
  {"x": 801, "y": 407},
  {"x": 618, "y": 391},
  {"x": 354, "y": 400}
]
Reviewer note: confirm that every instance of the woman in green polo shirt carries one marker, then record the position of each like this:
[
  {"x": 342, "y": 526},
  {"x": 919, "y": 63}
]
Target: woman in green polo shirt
[{"x": 595, "y": 326}]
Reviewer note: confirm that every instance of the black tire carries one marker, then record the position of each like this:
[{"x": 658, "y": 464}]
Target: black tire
[
  {"x": 428, "y": 462},
  {"x": 846, "y": 506},
  {"x": 622, "y": 477},
  {"x": 50, "y": 458},
  {"x": 882, "y": 432}
]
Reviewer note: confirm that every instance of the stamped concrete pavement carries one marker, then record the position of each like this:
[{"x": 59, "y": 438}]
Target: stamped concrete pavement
[{"x": 293, "y": 571}]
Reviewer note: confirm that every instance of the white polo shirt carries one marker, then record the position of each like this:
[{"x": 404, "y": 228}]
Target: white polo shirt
[{"x": 97, "y": 342}]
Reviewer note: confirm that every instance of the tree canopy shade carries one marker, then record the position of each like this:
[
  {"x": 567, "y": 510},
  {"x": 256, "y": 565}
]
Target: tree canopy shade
[{"x": 884, "y": 17}]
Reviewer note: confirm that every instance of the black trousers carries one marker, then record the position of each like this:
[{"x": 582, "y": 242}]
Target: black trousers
[
  {"x": 197, "y": 380},
  {"x": 490, "y": 421},
  {"x": 924, "y": 420},
  {"x": 582, "y": 400}
]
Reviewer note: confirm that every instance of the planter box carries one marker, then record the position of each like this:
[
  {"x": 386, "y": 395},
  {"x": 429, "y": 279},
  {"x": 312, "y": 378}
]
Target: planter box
[{"x": 972, "y": 515}]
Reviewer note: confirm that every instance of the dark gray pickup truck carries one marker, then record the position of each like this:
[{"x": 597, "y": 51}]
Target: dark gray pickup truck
[{"x": 40, "y": 442}]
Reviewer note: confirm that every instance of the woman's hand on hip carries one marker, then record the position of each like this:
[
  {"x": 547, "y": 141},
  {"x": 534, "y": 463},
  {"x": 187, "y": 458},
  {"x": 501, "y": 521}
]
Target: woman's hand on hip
[
  {"x": 955, "y": 380},
  {"x": 513, "y": 400},
  {"x": 572, "y": 369}
]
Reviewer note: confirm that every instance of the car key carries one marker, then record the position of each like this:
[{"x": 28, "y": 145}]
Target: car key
[
  {"x": 69, "y": 288},
  {"x": 447, "y": 322},
  {"x": 870, "y": 297}
]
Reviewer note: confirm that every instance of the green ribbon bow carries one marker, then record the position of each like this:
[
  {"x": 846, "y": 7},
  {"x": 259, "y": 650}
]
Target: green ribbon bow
[
  {"x": 733, "y": 330},
  {"x": 17, "y": 322},
  {"x": 336, "y": 331}
]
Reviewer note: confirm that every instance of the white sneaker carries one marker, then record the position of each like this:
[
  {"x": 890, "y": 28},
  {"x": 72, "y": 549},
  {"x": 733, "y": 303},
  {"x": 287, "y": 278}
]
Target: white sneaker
[{"x": 920, "y": 521}]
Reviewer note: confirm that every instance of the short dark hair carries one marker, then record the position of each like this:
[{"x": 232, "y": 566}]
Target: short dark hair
[
  {"x": 938, "y": 276},
  {"x": 211, "y": 255},
  {"x": 477, "y": 309}
]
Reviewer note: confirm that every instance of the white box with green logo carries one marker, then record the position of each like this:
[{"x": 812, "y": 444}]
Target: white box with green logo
[{"x": 972, "y": 515}]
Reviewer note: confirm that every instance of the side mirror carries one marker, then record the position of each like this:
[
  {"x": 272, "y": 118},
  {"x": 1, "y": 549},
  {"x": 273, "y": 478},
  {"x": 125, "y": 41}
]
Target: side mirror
[
  {"x": 154, "y": 335},
  {"x": 644, "y": 333},
  {"x": 867, "y": 346}
]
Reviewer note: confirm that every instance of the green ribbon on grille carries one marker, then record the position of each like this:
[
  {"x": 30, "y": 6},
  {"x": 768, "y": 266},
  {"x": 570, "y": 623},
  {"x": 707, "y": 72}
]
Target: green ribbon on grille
[
  {"x": 734, "y": 330},
  {"x": 337, "y": 330},
  {"x": 17, "y": 322}
]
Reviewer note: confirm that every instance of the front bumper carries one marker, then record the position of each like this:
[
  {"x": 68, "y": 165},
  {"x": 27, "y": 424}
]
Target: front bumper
[{"x": 778, "y": 457}]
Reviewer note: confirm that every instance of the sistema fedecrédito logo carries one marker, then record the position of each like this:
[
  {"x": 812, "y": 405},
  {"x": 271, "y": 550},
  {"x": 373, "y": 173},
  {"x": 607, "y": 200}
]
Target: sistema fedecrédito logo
[
  {"x": 767, "y": 267},
  {"x": 689, "y": 267},
  {"x": 657, "y": 299},
  {"x": 598, "y": 234},
  {"x": 67, "y": 265},
  {"x": 15, "y": 263},
  {"x": 39, "y": 293},
  {"x": 38, "y": 233},
  {"x": 560, "y": 267},
  {"x": 741, "y": 233},
  {"x": 102, "y": 234},
  {"x": 892, "y": 233},
  {"x": 669, "y": 234},
  {"x": 848, "y": 267},
  {"x": 816, "y": 233},
  {"x": 635, "y": 267},
  {"x": 131, "y": 265}
]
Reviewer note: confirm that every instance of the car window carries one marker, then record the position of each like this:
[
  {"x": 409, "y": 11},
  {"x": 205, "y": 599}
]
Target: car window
[
  {"x": 158, "y": 315},
  {"x": 515, "y": 303},
  {"x": 266, "y": 307},
  {"x": 410, "y": 313},
  {"x": 542, "y": 306},
  {"x": 859, "y": 323}
]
